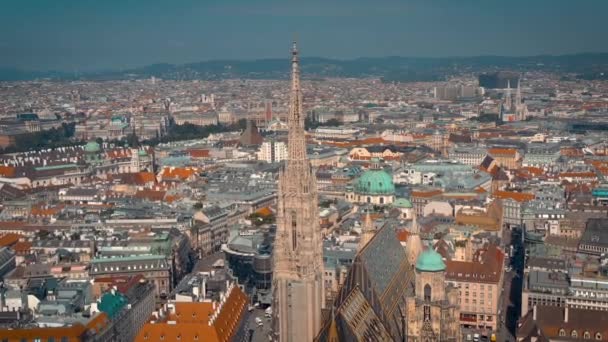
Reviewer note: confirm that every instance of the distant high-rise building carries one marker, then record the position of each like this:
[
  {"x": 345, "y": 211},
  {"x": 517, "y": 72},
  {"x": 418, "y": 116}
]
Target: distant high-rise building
[
  {"x": 272, "y": 151},
  {"x": 298, "y": 292},
  {"x": 497, "y": 80}
]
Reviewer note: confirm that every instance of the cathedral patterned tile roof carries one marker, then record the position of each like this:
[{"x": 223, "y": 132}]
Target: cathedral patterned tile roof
[
  {"x": 383, "y": 275},
  {"x": 382, "y": 258}
]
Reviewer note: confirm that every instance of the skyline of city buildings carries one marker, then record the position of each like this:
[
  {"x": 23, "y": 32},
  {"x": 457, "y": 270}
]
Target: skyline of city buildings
[{"x": 316, "y": 209}]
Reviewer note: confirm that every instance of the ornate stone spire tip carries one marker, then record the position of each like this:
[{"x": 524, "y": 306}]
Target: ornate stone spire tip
[{"x": 294, "y": 51}]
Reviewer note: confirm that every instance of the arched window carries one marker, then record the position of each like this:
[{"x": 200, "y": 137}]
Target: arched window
[
  {"x": 381, "y": 200},
  {"x": 574, "y": 334},
  {"x": 586, "y": 335},
  {"x": 598, "y": 336},
  {"x": 562, "y": 332},
  {"x": 427, "y": 292},
  {"x": 369, "y": 200}
]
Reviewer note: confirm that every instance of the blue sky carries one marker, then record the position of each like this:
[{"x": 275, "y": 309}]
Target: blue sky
[{"x": 114, "y": 34}]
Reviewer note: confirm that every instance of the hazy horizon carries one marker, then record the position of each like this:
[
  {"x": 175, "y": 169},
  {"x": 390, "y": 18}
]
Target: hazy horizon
[{"x": 110, "y": 35}]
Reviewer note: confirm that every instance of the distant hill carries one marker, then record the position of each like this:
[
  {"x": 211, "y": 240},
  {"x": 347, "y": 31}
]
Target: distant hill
[{"x": 400, "y": 69}]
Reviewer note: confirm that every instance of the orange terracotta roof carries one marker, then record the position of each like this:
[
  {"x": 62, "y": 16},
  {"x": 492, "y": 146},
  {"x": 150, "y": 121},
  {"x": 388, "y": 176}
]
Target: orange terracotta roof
[
  {"x": 372, "y": 141},
  {"x": 571, "y": 152},
  {"x": 118, "y": 153},
  {"x": 172, "y": 198},
  {"x": 12, "y": 224},
  {"x": 480, "y": 190},
  {"x": 502, "y": 151},
  {"x": 150, "y": 195},
  {"x": 7, "y": 171},
  {"x": 43, "y": 211},
  {"x": 402, "y": 235},
  {"x": 264, "y": 212},
  {"x": 487, "y": 270},
  {"x": 73, "y": 332},
  {"x": 426, "y": 193},
  {"x": 577, "y": 175},
  {"x": 536, "y": 171},
  {"x": 182, "y": 173},
  {"x": 22, "y": 247},
  {"x": 145, "y": 177},
  {"x": 98, "y": 322},
  {"x": 190, "y": 322},
  {"x": 9, "y": 239},
  {"x": 517, "y": 196},
  {"x": 198, "y": 153}
]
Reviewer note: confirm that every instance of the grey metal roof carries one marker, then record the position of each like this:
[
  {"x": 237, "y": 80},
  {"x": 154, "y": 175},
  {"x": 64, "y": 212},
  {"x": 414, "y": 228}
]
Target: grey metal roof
[
  {"x": 382, "y": 258},
  {"x": 596, "y": 233}
]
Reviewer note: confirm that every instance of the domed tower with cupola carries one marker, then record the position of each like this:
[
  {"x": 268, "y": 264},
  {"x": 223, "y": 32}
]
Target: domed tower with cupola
[
  {"x": 433, "y": 312},
  {"x": 93, "y": 153},
  {"x": 374, "y": 186}
]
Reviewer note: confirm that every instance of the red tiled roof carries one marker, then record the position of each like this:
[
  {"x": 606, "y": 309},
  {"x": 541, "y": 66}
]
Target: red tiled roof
[
  {"x": 402, "y": 235},
  {"x": 150, "y": 195},
  {"x": 9, "y": 239},
  {"x": 182, "y": 173},
  {"x": 517, "y": 196},
  {"x": 190, "y": 322},
  {"x": 264, "y": 211},
  {"x": 536, "y": 171},
  {"x": 44, "y": 211},
  {"x": 577, "y": 175},
  {"x": 426, "y": 193},
  {"x": 7, "y": 171},
  {"x": 502, "y": 152},
  {"x": 22, "y": 247},
  {"x": 488, "y": 268},
  {"x": 198, "y": 153}
]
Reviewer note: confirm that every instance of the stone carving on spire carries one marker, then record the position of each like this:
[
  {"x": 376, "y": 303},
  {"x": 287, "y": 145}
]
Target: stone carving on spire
[{"x": 298, "y": 292}]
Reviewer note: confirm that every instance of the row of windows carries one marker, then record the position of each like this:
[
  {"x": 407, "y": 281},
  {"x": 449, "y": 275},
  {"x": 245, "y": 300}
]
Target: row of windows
[
  {"x": 38, "y": 339},
  {"x": 162, "y": 337},
  {"x": 474, "y": 301},
  {"x": 124, "y": 268},
  {"x": 586, "y": 334},
  {"x": 474, "y": 286}
]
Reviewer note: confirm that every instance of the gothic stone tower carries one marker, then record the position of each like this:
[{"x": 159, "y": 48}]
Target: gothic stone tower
[
  {"x": 433, "y": 313},
  {"x": 298, "y": 254}
]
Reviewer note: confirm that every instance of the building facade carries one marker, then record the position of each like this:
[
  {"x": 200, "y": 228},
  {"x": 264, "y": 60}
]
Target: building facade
[
  {"x": 432, "y": 314},
  {"x": 272, "y": 151},
  {"x": 479, "y": 283}
]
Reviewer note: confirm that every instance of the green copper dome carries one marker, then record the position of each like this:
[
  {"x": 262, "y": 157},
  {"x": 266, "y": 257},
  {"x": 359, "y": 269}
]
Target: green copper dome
[
  {"x": 142, "y": 153},
  {"x": 375, "y": 182},
  {"x": 402, "y": 203},
  {"x": 430, "y": 261},
  {"x": 92, "y": 147}
]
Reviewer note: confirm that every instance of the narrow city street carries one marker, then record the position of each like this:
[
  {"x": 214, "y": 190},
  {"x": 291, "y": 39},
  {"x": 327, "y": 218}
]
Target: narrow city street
[{"x": 511, "y": 301}]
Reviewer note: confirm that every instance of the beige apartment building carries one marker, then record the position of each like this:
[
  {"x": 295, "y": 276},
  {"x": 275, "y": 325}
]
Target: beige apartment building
[{"x": 479, "y": 283}]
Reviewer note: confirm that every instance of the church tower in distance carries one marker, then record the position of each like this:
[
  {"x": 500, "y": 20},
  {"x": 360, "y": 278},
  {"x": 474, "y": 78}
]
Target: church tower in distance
[{"x": 298, "y": 252}]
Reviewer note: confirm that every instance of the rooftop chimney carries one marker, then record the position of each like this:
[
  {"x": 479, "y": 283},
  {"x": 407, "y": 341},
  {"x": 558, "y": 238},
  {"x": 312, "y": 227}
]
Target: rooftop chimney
[
  {"x": 566, "y": 315},
  {"x": 534, "y": 313}
]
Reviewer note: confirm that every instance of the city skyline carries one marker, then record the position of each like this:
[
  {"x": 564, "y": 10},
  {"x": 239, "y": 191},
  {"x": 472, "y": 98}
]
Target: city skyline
[{"x": 115, "y": 35}]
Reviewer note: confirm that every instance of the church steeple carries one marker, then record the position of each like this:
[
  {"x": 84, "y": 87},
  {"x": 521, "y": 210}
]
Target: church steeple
[
  {"x": 295, "y": 120},
  {"x": 518, "y": 94},
  {"x": 298, "y": 252},
  {"x": 508, "y": 101},
  {"x": 367, "y": 232}
]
